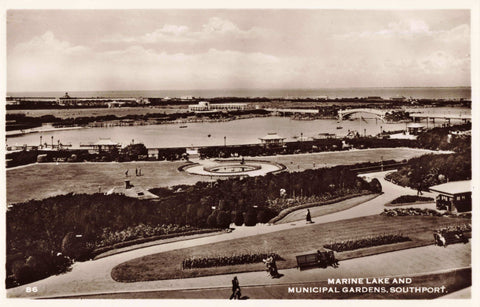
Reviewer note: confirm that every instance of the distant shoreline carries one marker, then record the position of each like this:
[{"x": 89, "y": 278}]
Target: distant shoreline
[{"x": 268, "y": 93}]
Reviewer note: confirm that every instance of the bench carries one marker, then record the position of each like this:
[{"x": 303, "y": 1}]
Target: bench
[
  {"x": 310, "y": 259},
  {"x": 449, "y": 238}
]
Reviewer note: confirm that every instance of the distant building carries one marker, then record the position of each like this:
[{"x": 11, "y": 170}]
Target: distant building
[
  {"x": 115, "y": 104},
  {"x": 399, "y": 99},
  {"x": 152, "y": 153},
  {"x": 415, "y": 128},
  {"x": 322, "y": 136},
  {"x": 454, "y": 196},
  {"x": 272, "y": 139},
  {"x": 203, "y": 106},
  {"x": 374, "y": 98},
  {"x": 105, "y": 145}
]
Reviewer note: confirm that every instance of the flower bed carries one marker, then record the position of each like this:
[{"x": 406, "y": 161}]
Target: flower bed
[
  {"x": 370, "y": 241},
  {"x": 455, "y": 229},
  {"x": 410, "y": 212},
  {"x": 410, "y": 199},
  {"x": 207, "y": 262},
  {"x": 143, "y": 233}
]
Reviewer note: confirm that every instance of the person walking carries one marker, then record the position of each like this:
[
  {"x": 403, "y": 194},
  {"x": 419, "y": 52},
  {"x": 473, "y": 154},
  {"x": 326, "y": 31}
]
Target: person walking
[
  {"x": 308, "y": 217},
  {"x": 235, "y": 289}
]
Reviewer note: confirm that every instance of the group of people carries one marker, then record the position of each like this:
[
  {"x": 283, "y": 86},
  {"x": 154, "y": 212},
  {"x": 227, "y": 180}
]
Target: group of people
[
  {"x": 138, "y": 172},
  {"x": 327, "y": 258},
  {"x": 271, "y": 266}
]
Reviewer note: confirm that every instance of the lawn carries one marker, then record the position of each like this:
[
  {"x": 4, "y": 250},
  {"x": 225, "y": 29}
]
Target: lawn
[
  {"x": 45, "y": 180},
  {"x": 287, "y": 244}
]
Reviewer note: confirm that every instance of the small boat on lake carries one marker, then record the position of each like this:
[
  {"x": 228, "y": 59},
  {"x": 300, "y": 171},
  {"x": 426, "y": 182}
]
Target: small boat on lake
[{"x": 183, "y": 126}]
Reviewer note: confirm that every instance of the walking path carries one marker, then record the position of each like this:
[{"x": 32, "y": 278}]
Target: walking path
[
  {"x": 94, "y": 276},
  {"x": 409, "y": 263}
]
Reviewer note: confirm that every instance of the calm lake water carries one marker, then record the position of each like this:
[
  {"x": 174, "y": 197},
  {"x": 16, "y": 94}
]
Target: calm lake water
[{"x": 245, "y": 131}]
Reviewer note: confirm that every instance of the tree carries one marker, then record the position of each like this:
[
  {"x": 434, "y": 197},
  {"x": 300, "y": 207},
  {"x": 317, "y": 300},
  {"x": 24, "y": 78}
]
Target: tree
[
  {"x": 251, "y": 218},
  {"x": 265, "y": 215},
  {"x": 24, "y": 274},
  {"x": 132, "y": 151},
  {"x": 238, "y": 218},
  {"x": 375, "y": 186},
  {"x": 212, "y": 220},
  {"x": 73, "y": 247},
  {"x": 223, "y": 219}
]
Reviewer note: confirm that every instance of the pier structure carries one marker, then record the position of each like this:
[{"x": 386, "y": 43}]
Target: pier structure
[
  {"x": 417, "y": 117},
  {"x": 292, "y": 111}
]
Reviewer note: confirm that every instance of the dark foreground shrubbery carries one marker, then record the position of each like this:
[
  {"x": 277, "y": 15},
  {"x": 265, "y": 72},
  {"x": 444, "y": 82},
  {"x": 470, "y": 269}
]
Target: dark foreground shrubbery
[{"x": 370, "y": 241}]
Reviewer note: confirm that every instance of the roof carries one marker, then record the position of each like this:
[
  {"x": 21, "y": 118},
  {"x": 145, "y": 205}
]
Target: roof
[
  {"x": 105, "y": 142},
  {"x": 272, "y": 136},
  {"x": 415, "y": 125},
  {"x": 134, "y": 192},
  {"x": 453, "y": 187}
]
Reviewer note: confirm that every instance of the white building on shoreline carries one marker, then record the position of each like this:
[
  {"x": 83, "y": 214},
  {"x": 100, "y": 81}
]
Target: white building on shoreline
[{"x": 203, "y": 106}]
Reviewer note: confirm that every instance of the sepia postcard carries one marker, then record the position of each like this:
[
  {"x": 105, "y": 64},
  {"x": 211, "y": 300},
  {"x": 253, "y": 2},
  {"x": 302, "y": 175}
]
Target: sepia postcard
[{"x": 246, "y": 153}]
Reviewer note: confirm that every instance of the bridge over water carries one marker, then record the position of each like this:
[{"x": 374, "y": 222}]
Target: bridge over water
[{"x": 344, "y": 114}]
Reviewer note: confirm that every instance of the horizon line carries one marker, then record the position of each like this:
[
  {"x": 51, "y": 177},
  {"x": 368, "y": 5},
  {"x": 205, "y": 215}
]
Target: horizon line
[{"x": 230, "y": 89}]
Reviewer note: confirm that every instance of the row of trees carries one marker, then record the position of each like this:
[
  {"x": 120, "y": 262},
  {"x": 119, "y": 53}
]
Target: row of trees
[
  {"x": 133, "y": 152},
  {"x": 303, "y": 147}
]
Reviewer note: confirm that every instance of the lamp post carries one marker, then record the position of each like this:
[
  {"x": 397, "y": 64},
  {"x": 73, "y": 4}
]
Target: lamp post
[{"x": 225, "y": 141}]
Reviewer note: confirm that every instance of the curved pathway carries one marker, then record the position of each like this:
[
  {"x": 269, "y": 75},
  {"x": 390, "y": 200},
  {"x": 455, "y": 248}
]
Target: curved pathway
[{"x": 94, "y": 276}]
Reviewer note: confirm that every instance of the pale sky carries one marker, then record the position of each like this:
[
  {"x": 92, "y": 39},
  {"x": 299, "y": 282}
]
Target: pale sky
[{"x": 58, "y": 50}]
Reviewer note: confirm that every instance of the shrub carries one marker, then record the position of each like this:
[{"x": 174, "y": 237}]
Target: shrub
[
  {"x": 238, "y": 218},
  {"x": 375, "y": 186},
  {"x": 251, "y": 218},
  {"x": 223, "y": 219},
  {"x": 212, "y": 220},
  {"x": 24, "y": 274},
  {"x": 74, "y": 247}
]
